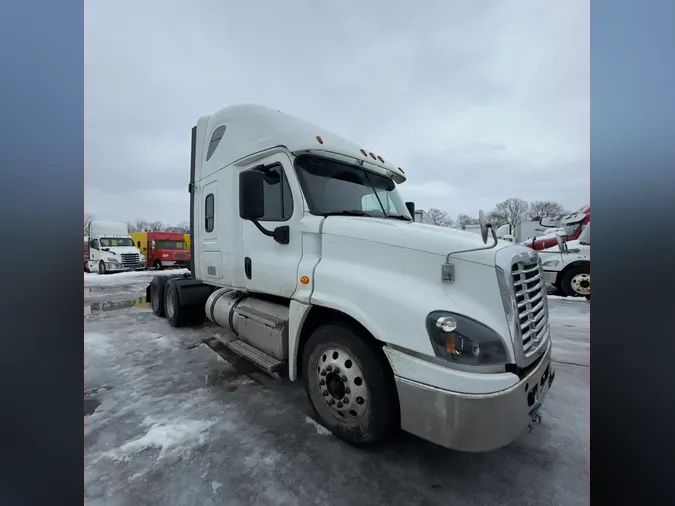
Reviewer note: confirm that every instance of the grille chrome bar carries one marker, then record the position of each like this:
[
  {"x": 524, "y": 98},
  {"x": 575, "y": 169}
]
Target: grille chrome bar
[{"x": 531, "y": 304}]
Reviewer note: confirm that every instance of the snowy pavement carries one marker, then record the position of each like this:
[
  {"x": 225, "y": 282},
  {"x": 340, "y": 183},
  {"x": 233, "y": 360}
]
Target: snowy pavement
[{"x": 168, "y": 421}]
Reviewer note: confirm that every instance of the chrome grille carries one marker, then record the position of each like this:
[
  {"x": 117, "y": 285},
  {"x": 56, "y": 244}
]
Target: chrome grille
[
  {"x": 532, "y": 310},
  {"x": 180, "y": 256},
  {"x": 130, "y": 259}
]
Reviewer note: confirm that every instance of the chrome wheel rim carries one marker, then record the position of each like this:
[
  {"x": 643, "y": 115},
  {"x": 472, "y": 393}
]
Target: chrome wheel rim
[
  {"x": 581, "y": 284},
  {"x": 342, "y": 384}
]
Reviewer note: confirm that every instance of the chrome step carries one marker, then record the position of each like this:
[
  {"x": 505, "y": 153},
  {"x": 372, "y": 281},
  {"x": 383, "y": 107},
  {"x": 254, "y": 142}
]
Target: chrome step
[{"x": 263, "y": 360}]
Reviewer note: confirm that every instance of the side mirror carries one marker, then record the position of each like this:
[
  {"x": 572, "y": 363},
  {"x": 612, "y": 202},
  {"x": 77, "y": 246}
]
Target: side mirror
[
  {"x": 548, "y": 222},
  {"x": 562, "y": 245},
  {"x": 411, "y": 209},
  {"x": 251, "y": 195}
]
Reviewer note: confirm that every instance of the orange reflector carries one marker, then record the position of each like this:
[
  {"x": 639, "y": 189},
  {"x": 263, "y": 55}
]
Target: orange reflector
[
  {"x": 318, "y": 138},
  {"x": 304, "y": 280},
  {"x": 363, "y": 152},
  {"x": 373, "y": 156},
  {"x": 401, "y": 170},
  {"x": 380, "y": 158},
  {"x": 450, "y": 345}
]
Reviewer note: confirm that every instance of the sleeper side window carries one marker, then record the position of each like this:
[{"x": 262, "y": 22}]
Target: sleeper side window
[
  {"x": 209, "y": 213},
  {"x": 215, "y": 140}
]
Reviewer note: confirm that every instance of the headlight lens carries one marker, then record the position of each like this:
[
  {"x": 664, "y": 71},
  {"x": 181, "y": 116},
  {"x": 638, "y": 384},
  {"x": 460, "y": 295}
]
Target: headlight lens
[
  {"x": 551, "y": 263},
  {"x": 113, "y": 260},
  {"x": 463, "y": 340}
]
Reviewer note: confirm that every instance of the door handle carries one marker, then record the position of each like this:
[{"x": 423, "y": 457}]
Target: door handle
[{"x": 247, "y": 267}]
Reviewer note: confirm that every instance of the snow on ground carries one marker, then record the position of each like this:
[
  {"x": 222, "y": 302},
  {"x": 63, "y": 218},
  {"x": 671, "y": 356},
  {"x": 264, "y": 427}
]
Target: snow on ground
[{"x": 168, "y": 421}]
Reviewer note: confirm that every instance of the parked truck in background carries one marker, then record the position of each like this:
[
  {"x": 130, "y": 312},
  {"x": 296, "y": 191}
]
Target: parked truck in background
[
  {"x": 422, "y": 216},
  {"x": 305, "y": 253},
  {"x": 522, "y": 232},
  {"x": 86, "y": 253},
  {"x": 162, "y": 249},
  {"x": 111, "y": 249},
  {"x": 572, "y": 226},
  {"x": 567, "y": 265}
]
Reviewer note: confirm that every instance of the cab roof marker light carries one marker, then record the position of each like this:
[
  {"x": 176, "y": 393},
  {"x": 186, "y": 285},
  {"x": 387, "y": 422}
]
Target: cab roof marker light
[
  {"x": 380, "y": 158},
  {"x": 363, "y": 152},
  {"x": 318, "y": 138},
  {"x": 372, "y": 155}
]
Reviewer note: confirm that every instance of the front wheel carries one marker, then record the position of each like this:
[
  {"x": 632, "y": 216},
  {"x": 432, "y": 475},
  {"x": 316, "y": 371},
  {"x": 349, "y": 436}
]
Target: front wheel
[
  {"x": 349, "y": 384},
  {"x": 102, "y": 268},
  {"x": 158, "y": 265},
  {"x": 576, "y": 282}
]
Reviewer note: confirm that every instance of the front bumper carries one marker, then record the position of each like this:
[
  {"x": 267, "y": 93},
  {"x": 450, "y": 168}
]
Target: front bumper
[
  {"x": 110, "y": 267},
  {"x": 550, "y": 277},
  {"x": 474, "y": 422}
]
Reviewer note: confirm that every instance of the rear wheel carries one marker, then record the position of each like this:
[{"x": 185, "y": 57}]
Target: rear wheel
[
  {"x": 576, "y": 282},
  {"x": 177, "y": 315},
  {"x": 350, "y": 385},
  {"x": 157, "y": 288}
]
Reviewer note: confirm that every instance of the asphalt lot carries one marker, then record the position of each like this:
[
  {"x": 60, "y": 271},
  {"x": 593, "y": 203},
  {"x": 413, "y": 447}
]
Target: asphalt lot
[{"x": 169, "y": 421}]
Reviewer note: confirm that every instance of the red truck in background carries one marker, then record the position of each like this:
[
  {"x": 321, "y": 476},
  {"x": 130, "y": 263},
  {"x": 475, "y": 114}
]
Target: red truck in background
[
  {"x": 571, "y": 225},
  {"x": 162, "y": 249}
]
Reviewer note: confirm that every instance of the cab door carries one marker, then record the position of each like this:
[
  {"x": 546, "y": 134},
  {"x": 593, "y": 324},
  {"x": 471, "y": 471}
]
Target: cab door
[{"x": 268, "y": 266}]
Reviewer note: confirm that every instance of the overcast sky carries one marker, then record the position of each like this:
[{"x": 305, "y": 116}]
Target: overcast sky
[{"x": 479, "y": 100}]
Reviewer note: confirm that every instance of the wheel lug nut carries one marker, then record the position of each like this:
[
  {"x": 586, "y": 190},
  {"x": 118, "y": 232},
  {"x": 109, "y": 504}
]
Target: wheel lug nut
[
  {"x": 359, "y": 400},
  {"x": 348, "y": 391},
  {"x": 329, "y": 368},
  {"x": 339, "y": 405},
  {"x": 345, "y": 401},
  {"x": 322, "y": 382},
  {"x": 344, "y": 378},
  {"x": 336, "y": 370},
  {"x": 331, "y": 402},
  {"x": 325, "y": 393},
  {"x": 323, "y": 373}
]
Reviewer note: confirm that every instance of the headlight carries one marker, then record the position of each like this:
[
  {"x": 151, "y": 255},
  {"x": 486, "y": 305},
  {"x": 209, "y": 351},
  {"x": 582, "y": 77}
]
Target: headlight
[
  {"x": 113, "y": 260},
  {"x": 165, "y": 255},
  {"x": 463, "y": 340},
  {"x": 551, "y": 263}
]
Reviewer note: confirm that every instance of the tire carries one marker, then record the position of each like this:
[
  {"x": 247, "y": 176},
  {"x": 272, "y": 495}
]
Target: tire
[
  {"x": 101, "y": 268},
  {"x": 176, "y": 315},
  {"x": 86, "y": 267},
  {"x": 369, "y": 379},
  {"x": 157, "y": 289},
  {"x": 574, "y": 281},
  {"x": 158, "y": 265}
]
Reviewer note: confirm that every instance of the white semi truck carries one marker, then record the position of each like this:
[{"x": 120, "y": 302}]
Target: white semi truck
[
  {"x": 111, "y": 249},
  {"x": 303, "y": 250},
  {"x": 567, "y": 266}
]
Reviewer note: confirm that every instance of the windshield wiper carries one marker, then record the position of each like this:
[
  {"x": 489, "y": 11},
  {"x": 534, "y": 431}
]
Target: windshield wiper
[
  {"x": 353, "y": 212},
  {"x": 399, "y": 217}
]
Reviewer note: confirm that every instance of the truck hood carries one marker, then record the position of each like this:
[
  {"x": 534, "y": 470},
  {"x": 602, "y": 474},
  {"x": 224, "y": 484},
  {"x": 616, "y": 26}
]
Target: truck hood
[
  {"x": 118, "y": 250},
  {"x": 416, "y": 236}
]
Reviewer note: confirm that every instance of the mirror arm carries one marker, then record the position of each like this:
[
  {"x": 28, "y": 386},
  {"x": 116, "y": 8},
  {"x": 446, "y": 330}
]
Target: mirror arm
[
  {"x": 263, "y": 230},
  {"x": 490, "y": 246}
]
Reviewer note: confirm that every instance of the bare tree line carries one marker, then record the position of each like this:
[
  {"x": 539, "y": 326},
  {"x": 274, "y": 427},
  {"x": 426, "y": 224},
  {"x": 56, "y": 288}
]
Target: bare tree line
[{"x": 511, "y": 211}]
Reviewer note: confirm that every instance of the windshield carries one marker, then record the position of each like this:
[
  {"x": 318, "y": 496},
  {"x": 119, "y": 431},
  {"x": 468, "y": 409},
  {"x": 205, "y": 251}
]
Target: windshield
[
  {"x": 166, "y": 244},
  {"x": 332, "y": 187},
  {"x": 571, "y": 228},
  {"x": 585, "y": 236},
  {"x": 108, "y": 242}
]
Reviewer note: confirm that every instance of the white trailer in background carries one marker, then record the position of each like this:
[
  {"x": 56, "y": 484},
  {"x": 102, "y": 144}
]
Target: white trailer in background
[
  {"x": 306, "y": 255},
  {"x": 521, "y": 232},
  {"x": 421, "y": 216},
  {"x": 111, "y": 249}
]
